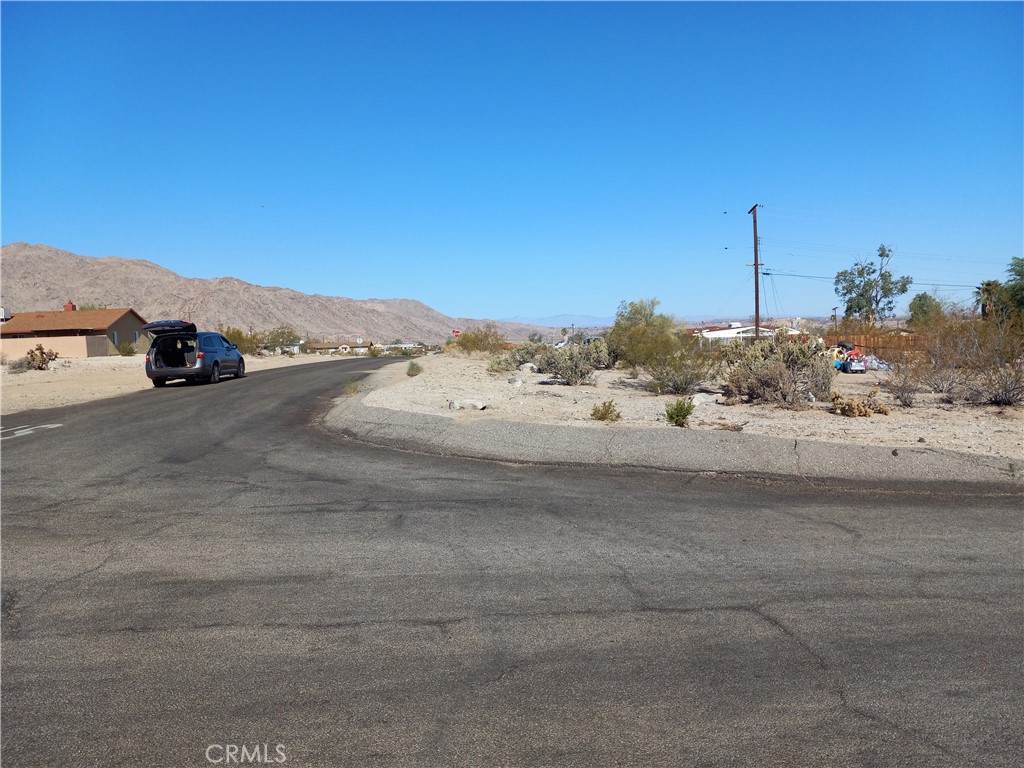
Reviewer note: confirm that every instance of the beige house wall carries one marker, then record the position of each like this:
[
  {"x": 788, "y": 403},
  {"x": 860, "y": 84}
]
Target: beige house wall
[
  {"x": 127, "y": 329},
  {"x": 65, "y": 346}
]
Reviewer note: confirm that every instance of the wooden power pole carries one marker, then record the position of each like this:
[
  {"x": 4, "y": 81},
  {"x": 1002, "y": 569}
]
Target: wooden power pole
[{"x": 757, "y": 278}]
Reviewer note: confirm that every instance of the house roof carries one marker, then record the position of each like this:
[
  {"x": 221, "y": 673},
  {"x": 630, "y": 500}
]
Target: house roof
[{"x": 76, "y": 320}]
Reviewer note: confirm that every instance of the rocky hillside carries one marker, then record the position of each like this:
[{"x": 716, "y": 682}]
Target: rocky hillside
[{"x": 38, "y": 277}]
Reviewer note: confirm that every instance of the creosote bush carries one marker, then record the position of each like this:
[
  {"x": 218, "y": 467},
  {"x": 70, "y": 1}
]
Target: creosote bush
[
  {"x": 126, "y": 350},
  {"x": 572, "y": 364},
  {"x": 510, "y": 360},
  {"x": 678, "y": 413},
  {"x": 414, "y": 369},
  {"x": 486, "y": 338},
  {"x": 606, "y": 411}
]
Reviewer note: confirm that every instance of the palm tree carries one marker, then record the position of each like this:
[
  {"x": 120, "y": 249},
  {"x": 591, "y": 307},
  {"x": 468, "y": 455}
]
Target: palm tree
[{"x": 986, "y": 296}]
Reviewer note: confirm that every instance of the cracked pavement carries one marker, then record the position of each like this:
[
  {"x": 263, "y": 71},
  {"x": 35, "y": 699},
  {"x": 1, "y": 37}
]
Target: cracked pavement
[{"x": 206, "y": 565}]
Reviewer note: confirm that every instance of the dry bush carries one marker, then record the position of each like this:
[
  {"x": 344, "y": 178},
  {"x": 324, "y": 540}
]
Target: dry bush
[
  {"x": 573, "y": 365},
  {"x": 39, "y": 359},
  {"x": 510, "y": 360},
  {"x": 855, "y": 406},
  {"x": 905, "y": 379},
  {"x": 973, "y": 360},
  {"x": 485, "y": 338},
  {"x": 782, "y": 371}
]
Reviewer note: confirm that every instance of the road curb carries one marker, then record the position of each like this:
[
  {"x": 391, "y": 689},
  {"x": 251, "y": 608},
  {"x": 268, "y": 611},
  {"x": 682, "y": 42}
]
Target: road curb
[{"x": 718, "y": 452}]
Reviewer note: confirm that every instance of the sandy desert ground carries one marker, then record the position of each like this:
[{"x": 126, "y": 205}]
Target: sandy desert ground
[{"x": 982, "y": 430}]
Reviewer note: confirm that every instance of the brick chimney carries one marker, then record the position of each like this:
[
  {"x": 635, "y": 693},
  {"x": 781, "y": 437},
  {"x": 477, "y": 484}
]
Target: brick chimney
[{"x": 70, "y": 307}]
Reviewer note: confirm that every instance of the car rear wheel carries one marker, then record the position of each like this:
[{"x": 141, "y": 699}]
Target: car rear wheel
[
  {"x": 240, "y": 373},
  {"x": 159, "y": 382},
  {"x": 215, "y": 373}
]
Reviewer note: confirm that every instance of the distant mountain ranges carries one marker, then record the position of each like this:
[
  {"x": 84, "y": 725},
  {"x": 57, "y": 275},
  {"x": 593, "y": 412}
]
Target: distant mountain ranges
[{"x": 39, "y": 277}]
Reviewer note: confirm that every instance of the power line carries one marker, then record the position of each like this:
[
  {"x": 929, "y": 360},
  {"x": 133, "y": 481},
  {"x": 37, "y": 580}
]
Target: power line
[{"x": 919, "y": 281}]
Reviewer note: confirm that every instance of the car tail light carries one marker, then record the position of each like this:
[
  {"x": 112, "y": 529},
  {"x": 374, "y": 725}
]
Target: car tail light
[{"x": 200, "y": 355}]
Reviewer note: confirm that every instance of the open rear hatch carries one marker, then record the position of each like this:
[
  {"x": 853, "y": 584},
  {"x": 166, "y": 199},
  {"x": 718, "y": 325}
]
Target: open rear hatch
[
  {"x": 162, "y": 327},
  {"x": 174, "y": 343}
]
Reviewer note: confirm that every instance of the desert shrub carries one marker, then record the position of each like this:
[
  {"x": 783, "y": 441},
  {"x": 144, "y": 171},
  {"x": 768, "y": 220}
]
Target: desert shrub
[
  {"x": 350, "y": 389},
  {"x": 975, "y": 361},
  {"x": 781, "y": 371},
  {"x": 126, "y": 350},
  {"x": 375, "y": 351},
  {"x": 683, "y": 369},
  {"x": 39, "y": 359},
  {"x": 573, "y": 365},
  {"x": 606, "y": 411},
  {"x": 510, "y": 360},
  {"x": 644, "y": 340},
  {"x": 18, "y": 365},
  {"x": 855, "y": 406},
  {"x": 598, "y": 352},
  {"x": 414, "y": 369},
  {"x": 678, "y": 413},
  {"x": 904, "y": 379},
  {"x": 486, "y": 338}
]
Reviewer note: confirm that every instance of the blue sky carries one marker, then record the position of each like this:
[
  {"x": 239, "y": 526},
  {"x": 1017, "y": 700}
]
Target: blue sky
[{"x": 522, "y": 159}]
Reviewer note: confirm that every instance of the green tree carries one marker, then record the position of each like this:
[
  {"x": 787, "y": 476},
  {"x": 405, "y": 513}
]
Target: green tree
[
  {"x": 640, "y": 334},
  {"x": 987, "y": 296},
  {"x": 924, "y": 309},
  {"x": 869, "y": 290},
  {"x": 281, "y": 337},
  {"x": 248, "y": 344},
  {"x": 1015, "y": 285}
]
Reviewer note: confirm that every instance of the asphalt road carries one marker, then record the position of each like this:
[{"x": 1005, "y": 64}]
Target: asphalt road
[{"x": 200, "y": 575}]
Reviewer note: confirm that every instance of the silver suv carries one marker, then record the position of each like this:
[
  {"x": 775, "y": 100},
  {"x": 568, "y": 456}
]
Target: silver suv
[{"x": 178, "y": 351}]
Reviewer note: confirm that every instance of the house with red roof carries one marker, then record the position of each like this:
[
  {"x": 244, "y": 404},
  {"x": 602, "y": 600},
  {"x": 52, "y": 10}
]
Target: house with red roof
[{"x": 73, "y": 332}]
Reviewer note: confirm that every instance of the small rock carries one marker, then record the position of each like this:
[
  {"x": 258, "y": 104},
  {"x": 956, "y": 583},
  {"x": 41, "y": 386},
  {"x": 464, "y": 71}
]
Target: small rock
[
  {"x": 895, "y": 452},
  {"x": 472, "y": 405},
  {"x": 528, "y": 368},
  {"x": 920, "y": 439}
]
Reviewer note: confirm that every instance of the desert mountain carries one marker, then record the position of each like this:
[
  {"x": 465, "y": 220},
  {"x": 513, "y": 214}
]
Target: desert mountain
[{"x": 38, "y": 277}]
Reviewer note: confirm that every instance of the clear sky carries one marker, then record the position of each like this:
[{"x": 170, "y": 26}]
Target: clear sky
[{"x": 522, "y": 159}]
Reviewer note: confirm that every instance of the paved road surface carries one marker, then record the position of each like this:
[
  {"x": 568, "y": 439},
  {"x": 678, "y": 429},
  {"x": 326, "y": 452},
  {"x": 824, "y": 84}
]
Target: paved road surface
[{"x": 192, "y": 571}]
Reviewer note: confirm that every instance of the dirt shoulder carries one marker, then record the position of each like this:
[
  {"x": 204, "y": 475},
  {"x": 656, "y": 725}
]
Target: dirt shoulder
[{"x": 533, "y": 398}]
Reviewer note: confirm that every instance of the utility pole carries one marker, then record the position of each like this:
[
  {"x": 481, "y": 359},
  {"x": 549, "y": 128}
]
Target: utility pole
[{"x": 757, "y": 278}]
